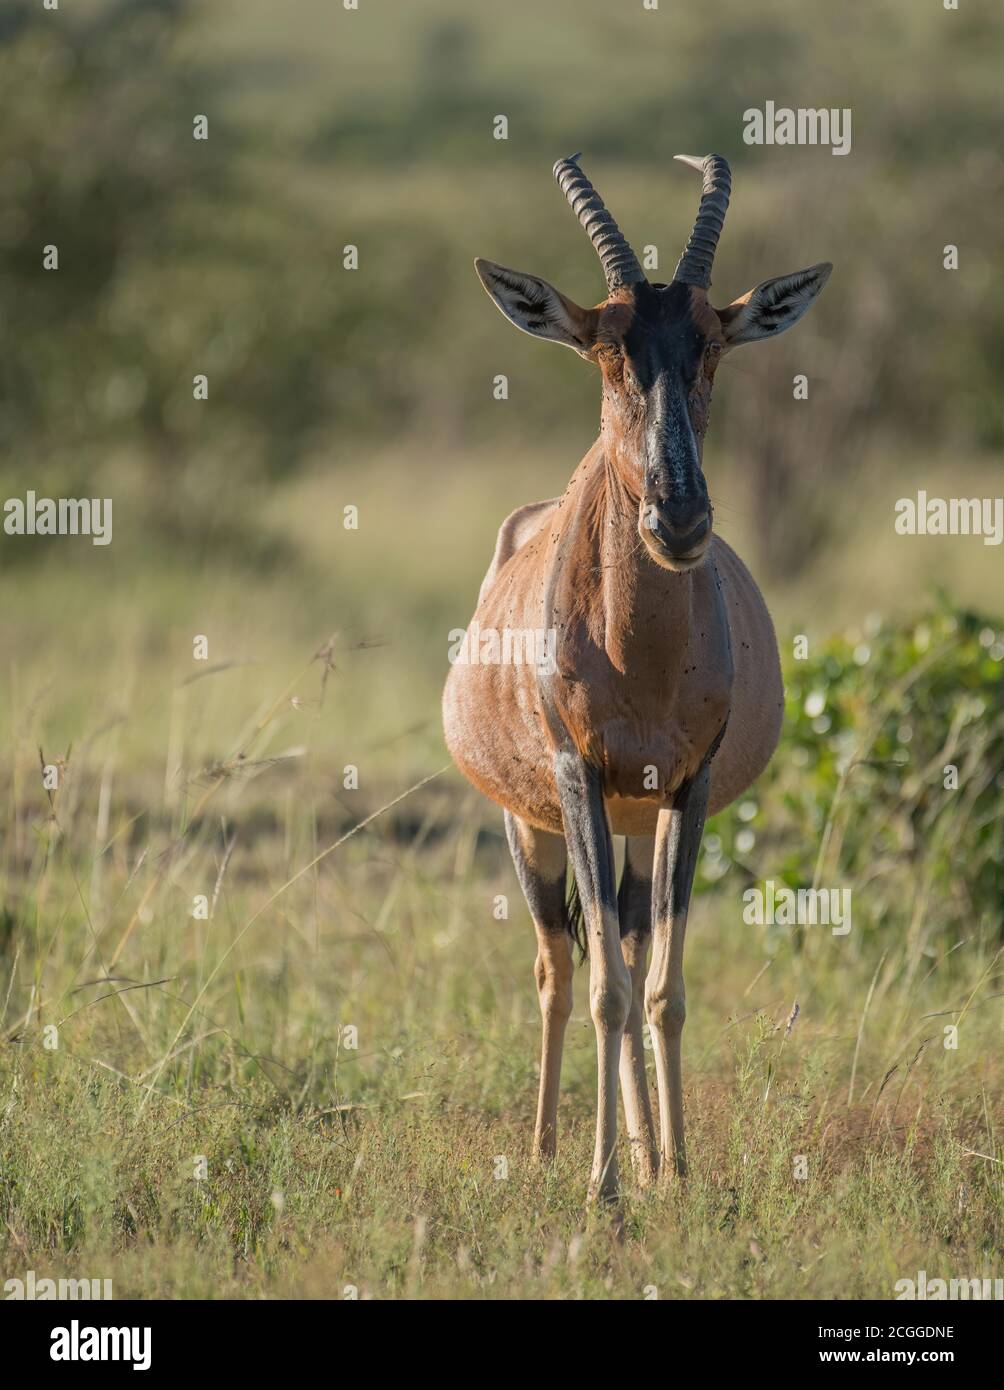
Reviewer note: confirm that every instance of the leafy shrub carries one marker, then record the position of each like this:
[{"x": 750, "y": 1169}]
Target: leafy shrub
[{"x": 861, "y": 790}]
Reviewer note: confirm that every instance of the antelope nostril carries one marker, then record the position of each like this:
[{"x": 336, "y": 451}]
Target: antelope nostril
[
  {"x": 684, "y": 514},
  {"x": 679, "y": 539}
]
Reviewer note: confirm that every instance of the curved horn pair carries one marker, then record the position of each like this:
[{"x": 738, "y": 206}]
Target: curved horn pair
[{"x": 620, "y": 264}]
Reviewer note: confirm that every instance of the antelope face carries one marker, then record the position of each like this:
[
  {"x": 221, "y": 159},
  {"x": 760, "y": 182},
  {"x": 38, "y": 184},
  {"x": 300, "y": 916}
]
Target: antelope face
[
  {"x": 657, "y": 347},
  {"x": 658, "y": 356}
]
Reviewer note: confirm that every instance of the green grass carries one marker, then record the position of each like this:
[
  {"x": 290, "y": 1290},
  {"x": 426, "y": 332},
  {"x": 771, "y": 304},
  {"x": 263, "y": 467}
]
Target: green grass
[{"x": 376, "y": 1167}]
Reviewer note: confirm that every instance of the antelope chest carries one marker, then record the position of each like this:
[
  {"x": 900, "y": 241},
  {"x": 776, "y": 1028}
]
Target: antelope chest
[
  {"x": 499, "y": 729},
  {"x": 648, "y": 733}
]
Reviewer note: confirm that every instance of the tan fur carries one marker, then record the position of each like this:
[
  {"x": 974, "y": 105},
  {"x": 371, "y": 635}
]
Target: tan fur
[{"x": 492, "y": 719}]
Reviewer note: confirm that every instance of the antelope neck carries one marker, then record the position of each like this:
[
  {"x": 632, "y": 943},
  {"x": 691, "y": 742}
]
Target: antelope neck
[{"x": 637, "y": 606}]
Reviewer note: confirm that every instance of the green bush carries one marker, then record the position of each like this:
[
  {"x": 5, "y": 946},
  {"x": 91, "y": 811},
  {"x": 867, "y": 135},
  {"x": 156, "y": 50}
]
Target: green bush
[{"x": 861, "y": 791}]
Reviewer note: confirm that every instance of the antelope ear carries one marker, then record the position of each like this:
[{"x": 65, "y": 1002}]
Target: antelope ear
[
  {"x": 773, "y": 306},
  {"x": 537, "y": 307}
]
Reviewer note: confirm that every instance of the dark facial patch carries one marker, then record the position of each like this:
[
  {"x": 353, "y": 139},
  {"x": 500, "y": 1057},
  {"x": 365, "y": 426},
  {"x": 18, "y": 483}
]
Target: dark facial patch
[
  {"x": 660, "y": 356},
  {"x": 663, "y": 338}
]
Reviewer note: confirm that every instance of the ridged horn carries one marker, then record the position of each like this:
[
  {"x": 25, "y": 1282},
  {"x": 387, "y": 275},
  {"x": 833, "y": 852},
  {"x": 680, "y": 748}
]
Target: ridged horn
[
  {"x": 699, "y": 253},
  {"x": 620, "y": 264}
]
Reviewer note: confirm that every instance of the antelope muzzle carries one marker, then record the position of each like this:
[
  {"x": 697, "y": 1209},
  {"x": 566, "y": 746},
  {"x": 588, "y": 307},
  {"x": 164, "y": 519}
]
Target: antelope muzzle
[{"x": 676, "y": 533}]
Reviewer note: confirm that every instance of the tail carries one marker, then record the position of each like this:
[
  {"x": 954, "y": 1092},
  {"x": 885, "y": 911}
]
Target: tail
[{"x": 574, "y": 919}]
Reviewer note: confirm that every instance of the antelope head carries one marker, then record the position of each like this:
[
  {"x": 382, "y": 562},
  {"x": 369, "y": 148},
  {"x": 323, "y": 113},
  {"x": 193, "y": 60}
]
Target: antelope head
[{"x": 657, "y": 347}]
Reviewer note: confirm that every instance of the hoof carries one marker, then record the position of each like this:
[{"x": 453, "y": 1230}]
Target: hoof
[
  {"x": 645, "y": 1164},
  {"x": 605, "y": 1196},
  {"x": 673, "y": 1167}
]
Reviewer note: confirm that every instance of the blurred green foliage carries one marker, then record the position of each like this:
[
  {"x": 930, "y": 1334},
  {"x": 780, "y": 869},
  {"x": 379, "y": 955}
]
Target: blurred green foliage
[
  {"x": 373, "y": 128},
  {"x": 861, "y": 791},
  {"x": 170, "y": 264}
]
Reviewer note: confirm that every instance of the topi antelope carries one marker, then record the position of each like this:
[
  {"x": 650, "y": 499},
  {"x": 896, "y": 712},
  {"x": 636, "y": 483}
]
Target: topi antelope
[{"x": 664, "y": 698}]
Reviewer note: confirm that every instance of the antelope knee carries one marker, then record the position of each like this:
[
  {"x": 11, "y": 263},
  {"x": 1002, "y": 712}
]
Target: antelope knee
[
  {"x": 636, "y": 1013},
  {"x": 610, "y": 1001},
  {"x": 554, "y": 987},
  {"x": 667, "y": 1011}
]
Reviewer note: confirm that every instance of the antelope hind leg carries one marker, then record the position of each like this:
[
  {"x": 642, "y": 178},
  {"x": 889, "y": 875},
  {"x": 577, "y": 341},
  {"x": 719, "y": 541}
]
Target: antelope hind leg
[{"x": 541, "y": 860}]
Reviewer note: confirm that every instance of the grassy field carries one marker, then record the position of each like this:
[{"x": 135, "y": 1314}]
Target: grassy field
[
  {"x": 351, "y": 1047},
  {"x": 328, "y": 1084}
]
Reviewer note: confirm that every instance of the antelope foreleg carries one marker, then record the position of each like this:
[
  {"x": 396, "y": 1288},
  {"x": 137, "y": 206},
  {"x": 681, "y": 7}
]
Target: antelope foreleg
[
  {"x": 677, "y": 841},
  {"x": 587, "y": 834},
  {"x": 634, "y": 903}
]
